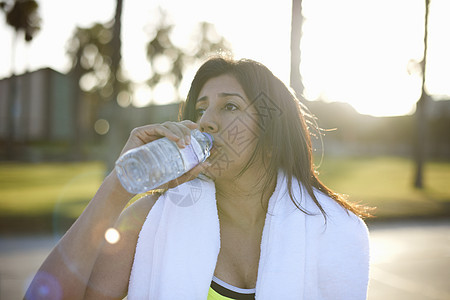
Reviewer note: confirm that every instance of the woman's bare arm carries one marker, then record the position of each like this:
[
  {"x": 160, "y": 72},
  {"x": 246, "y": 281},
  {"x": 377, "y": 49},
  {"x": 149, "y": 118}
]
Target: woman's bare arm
[
  {"x": 111, "y": 273},
  {"x": 67, "y": 269},
  {"x": 66, "y": 272}
]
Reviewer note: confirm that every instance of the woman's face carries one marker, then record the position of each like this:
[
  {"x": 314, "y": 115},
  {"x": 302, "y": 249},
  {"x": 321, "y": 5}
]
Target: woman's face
[{"x": 224, "y": 111}]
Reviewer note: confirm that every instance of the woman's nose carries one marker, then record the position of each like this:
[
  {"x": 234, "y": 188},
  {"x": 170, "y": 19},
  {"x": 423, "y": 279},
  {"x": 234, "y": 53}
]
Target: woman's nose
[{"x": 208, "y": 123}]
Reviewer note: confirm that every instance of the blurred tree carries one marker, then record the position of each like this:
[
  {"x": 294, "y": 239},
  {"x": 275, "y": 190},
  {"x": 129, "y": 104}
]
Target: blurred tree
[
  {"x": 22, "y": 16},
  {"x": 421, "y": 118},
  {"x": 96, "y": 67},
  {"x": 162, "y": 51},
  {"x": 96, "y": 61},
  {"x": 439, "y": 136},
  {"x": 296, "y": 34},
  {"x": 91, "y": 53},
  {"x": 95, "y": 55},
  {"x": 117, "y": 133}
]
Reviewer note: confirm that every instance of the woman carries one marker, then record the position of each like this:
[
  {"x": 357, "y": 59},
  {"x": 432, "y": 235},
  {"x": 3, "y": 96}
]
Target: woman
[{"x": 261, "y": 222}]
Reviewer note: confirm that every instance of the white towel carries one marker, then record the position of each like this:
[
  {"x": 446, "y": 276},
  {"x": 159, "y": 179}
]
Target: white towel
[{"x": 301, "y": 256}]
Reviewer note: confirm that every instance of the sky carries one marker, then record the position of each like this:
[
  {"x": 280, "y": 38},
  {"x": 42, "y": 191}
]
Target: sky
[{"x": 363, "y": 52}]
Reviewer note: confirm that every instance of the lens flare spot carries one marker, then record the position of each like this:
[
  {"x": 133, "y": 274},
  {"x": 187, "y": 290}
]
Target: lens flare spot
[
  {"x": 101, "y": 126},
  {"x": 112, "y": 236},
  {"x": 44, "y": 286}
]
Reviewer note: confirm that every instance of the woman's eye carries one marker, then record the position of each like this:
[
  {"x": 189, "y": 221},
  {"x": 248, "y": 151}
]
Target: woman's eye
[
  {"x": 200, "y": 112},
  {"x": 231, "y": 107}
]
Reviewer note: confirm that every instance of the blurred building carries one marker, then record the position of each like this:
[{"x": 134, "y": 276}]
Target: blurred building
[
  {"x": 35, "y": 107},
  {"x": 44, "y": 116},
  {"x": 440, "y": 108},
  {"x": 346, "y": 132},
  {"x": 438, "y": 114}
]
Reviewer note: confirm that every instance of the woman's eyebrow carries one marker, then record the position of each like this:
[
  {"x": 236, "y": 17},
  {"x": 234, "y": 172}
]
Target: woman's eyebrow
[
  {"x": 223, "y": 95},
  {"x": 204, "y": 98}
]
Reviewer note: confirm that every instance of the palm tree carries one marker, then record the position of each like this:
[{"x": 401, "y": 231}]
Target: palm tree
[
  {"x": 116, "y": 132},
  {"x": 21, "y": 16},
  {"x": 296, "y": 34},
  {"x": 421, "y": 120}
]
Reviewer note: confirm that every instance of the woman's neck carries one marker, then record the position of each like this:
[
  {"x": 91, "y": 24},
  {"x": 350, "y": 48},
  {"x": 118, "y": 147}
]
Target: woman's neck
[{"x": 244, "y": 201}]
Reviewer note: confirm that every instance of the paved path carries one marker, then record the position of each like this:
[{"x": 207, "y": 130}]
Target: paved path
[
  {"x": 20, "y": 257},
  {"x": 409, "y": 261}
]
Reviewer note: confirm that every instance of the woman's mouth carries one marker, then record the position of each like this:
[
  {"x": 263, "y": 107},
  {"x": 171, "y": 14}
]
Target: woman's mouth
[
  {"x": 215, "y": 152},
  {"x": 214, "y": 149}
]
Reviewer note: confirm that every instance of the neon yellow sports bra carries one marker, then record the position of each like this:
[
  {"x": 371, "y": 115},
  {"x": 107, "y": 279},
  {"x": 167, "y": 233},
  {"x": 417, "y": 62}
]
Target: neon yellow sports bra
[{"x": 220, "y": 290}]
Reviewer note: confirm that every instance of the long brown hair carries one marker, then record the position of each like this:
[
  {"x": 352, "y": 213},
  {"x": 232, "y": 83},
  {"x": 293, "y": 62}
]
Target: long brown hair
[{"x": 284, "y": 135}]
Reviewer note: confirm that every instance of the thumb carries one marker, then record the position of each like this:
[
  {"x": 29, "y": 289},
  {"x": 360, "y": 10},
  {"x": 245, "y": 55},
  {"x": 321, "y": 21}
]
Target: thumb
[{"x": 188, "y": 176}]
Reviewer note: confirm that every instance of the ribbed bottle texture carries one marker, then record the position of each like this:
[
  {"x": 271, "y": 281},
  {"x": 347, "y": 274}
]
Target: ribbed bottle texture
[{"x": 153, "y": 164}]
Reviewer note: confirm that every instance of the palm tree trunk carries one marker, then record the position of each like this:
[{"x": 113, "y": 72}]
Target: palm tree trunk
[
  {"x": 296, "y": 34},
  {"x": 78, "y": 136},
  {"x": 12, "y": 103},
  {"x": 421, "y": 118},
  {"x": 115, "y": 137}
]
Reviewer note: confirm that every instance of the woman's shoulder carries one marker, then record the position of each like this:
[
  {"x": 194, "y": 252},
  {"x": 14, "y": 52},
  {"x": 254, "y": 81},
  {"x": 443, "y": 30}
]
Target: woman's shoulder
[
  {"x": 141, "y": 205},
  {"x": 343, "y": 249},
  {"x": 120, "y": 250},
  {"x": 135, "y": 214},
  {"x": 338, "y": 217}
]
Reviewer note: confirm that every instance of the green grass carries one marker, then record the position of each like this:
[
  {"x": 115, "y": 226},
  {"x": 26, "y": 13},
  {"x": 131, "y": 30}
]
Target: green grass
[
  {"x": 48, "y": 188},
  {"x": 384, "y": 182},
  {"x": 387, "y": 183}
]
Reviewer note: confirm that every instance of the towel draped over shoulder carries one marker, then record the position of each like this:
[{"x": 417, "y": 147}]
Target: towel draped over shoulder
[{"x": 302, "y": 256}]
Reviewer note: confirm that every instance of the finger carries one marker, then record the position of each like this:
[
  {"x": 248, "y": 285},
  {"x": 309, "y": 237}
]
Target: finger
[
  {"x": 149, "y": 133},
  {"x": 185, "y": 130},
  {"x": 140, "y": 136},
  {"x": 185, "y": 127},
  {"x": 161, "y": 131},
  {"x": 178, "y": 130},
  {"x": 189, "y": 126},
  {"x": 188, "y": 176}
]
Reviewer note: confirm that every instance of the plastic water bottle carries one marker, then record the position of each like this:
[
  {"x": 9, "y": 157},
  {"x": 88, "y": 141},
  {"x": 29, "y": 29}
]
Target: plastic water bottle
[{"x": 151, "y": 165}]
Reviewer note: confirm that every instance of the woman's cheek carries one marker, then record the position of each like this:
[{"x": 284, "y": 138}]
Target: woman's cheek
[{"x": 239, "y": 136}]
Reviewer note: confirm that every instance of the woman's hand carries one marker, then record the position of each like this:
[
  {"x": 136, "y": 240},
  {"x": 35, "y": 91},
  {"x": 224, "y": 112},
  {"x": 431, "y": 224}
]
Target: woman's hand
[{"x": 179, "y": 132}]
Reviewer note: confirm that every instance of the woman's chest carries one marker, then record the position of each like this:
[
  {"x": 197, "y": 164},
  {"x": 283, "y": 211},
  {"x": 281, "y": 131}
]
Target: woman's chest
[{"x": 238, "y": 259}]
